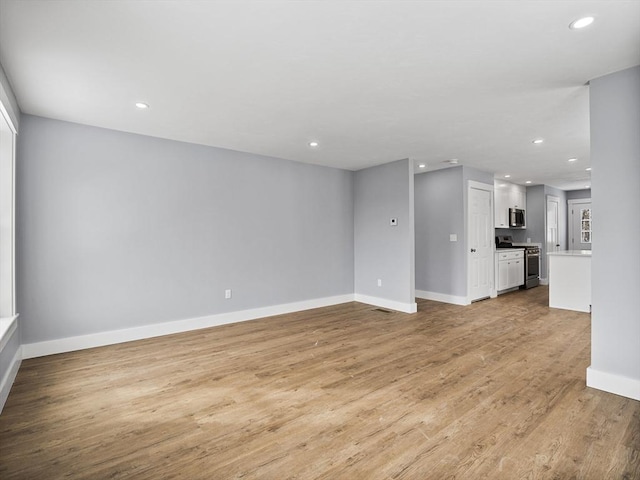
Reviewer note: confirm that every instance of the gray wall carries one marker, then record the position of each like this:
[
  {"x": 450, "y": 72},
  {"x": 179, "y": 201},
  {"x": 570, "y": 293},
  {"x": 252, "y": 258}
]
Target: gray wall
[
  {"x": 578, "y": 194},
  {"x": 441, "y": 209},
  {"x": 118, "y": 230},
  {"x": 439, "y": 206},
  {"x": 519, "y": 236},
  {"x": 382, "y": 251},
  {"x": 469, "y": 173},
  {"x": 615, "y": 156},
  {"x": 536, "y": 208}
]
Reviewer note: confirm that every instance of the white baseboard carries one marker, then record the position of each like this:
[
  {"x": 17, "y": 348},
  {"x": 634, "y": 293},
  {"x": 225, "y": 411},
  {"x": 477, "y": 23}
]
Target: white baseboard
[
  {"x": 544, "y": 281},
  {"x": 8, "y": 325},
  {"x": 62, "y": 345},
  {"x": 9, "y": 377},
  {"x": 442, "y": 297},
  {"x": 609, "y": 382},
  {"x": 384, "y": 303}
]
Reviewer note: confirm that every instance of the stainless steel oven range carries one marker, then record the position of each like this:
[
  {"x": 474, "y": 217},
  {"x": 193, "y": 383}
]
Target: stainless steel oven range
[
  {"x": 531, "y": 260},
  {"x": 531, "y": 267}
]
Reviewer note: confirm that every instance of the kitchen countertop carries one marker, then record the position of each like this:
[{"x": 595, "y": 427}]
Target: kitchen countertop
[
  {"x": 514, "y": 249},
  {"x": 571, "y": 253}
]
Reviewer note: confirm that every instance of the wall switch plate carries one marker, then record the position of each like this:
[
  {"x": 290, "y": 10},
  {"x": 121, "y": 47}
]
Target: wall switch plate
[
  {"x": 379, "y": 282},
  {"x": 528, "y": 240},
  {"x": 227, "y": 294},
  {"x": 393, "y": 222},
  {"x": 453, "y": 237}
]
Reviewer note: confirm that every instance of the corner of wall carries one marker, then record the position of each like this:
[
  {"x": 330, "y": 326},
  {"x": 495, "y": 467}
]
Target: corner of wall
[
  {"x": 10, "y": 356},
  {"x": 384, "y": 231},
  {"x": 8, "y": 100}
]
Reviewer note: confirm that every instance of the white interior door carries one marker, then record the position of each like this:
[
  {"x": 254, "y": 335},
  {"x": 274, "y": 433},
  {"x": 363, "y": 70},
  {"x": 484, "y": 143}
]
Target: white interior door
[
  {"x": 480, "y": 242},
  {"x": 580, "y": 224},
  {"x": 552, "y": 244}
]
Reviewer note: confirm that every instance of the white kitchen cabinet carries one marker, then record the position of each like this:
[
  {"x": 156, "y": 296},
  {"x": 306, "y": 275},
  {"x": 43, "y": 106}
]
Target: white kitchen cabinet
[
  {"x": 510, "y": 269},
  {"x": 516, "y": 272},
  {"x": 503, "y": 275},
  {"x": 507, "y": 195},
  {"x": 501, "y": 202},
  {"x": 519, "y": 197}
]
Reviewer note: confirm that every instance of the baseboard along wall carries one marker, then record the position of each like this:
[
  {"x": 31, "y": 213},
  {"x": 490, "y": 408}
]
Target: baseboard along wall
[
  {"x": 442, "y": 297},
  {"x": 69, "y": 344},
  {"x": 617, "y": 384},
  {"x": 50, "y": 347},
  {"x": 9, "y": 377}
]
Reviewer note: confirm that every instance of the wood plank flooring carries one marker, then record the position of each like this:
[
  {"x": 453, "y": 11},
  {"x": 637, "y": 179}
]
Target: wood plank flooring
[{"x": 495, "y": 390}]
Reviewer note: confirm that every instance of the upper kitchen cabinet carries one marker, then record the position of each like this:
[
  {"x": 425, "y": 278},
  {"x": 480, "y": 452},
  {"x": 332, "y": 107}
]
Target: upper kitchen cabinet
[{"x": 507, "y": 195}]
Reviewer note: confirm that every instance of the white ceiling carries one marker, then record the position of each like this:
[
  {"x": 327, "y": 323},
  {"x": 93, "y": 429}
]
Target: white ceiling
[{"x": 371, "y": 81}]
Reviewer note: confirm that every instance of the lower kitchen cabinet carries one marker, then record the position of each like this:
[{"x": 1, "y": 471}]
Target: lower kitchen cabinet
[{"x": 509, "y": 269}]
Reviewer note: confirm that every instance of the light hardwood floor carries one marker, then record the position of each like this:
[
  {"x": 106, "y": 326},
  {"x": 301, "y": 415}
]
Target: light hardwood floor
[{"x": 494, "y": 390}]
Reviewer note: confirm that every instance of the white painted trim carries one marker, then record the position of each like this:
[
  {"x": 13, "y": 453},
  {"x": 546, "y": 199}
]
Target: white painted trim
[
  {"x": 570, "y": 206},
  {"x": 508, "y": 290},
  {"x": 545, "y": 258},
  {"x": 4, "y": 111},
  {"x": 40, "y": 349},
  {"x": 7, "y": 327},
  {"x": 617, "y": 384},
  {"x": 384, "y": 303},
  {"x": 442, "y": 297},
  {"x": 9, "y": 377},
  {"x": 492, "y": 274},
  {"x": 8, "y": 305},
  {"x": 482, "y": 186}
]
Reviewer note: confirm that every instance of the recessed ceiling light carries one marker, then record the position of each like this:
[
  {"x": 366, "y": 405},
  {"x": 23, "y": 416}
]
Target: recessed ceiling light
[
  {"x": 422, "y": 165},
  {"x": 507, "y": 176},
  {"x": 581, "y": 23},
  {"x": 528, "y": 181},
  {"x": 453, "y": 161},
  {"x": 588, "y": 169},
  {"x": 142, "y": 105},
  {"x": 573, "y": 159},
  {"x": 538, "y": 141},
  {"x": 313, "y": 144},
  {"x": 587, "y": 186}
]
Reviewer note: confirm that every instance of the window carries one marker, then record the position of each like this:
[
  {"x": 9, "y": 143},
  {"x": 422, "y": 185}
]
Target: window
[
  {"x": 7, "y": 262},
  {"x": 585, "y": 222}
]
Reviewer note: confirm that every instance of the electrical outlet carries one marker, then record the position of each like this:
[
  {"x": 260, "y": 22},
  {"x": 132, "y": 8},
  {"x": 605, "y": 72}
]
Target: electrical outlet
[
  {"x": 453, "y": 237},
  {"x": 227, "y": 294},
  {"x": 379, "y": 282}
]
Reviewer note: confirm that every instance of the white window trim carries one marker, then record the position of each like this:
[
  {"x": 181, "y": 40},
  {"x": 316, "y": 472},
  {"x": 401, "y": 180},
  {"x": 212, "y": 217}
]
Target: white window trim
[{"x": 8, "y": 315}]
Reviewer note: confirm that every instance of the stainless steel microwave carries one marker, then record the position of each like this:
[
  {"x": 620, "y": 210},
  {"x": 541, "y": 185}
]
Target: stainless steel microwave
[{"x": 516, "y": 218}]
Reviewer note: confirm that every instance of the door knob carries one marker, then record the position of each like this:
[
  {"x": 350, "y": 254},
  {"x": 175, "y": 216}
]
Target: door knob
[{"x": 473, "y": 250}]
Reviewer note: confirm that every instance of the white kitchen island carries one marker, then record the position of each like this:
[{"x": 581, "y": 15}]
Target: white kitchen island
[{"x": 570, "y": 280}]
